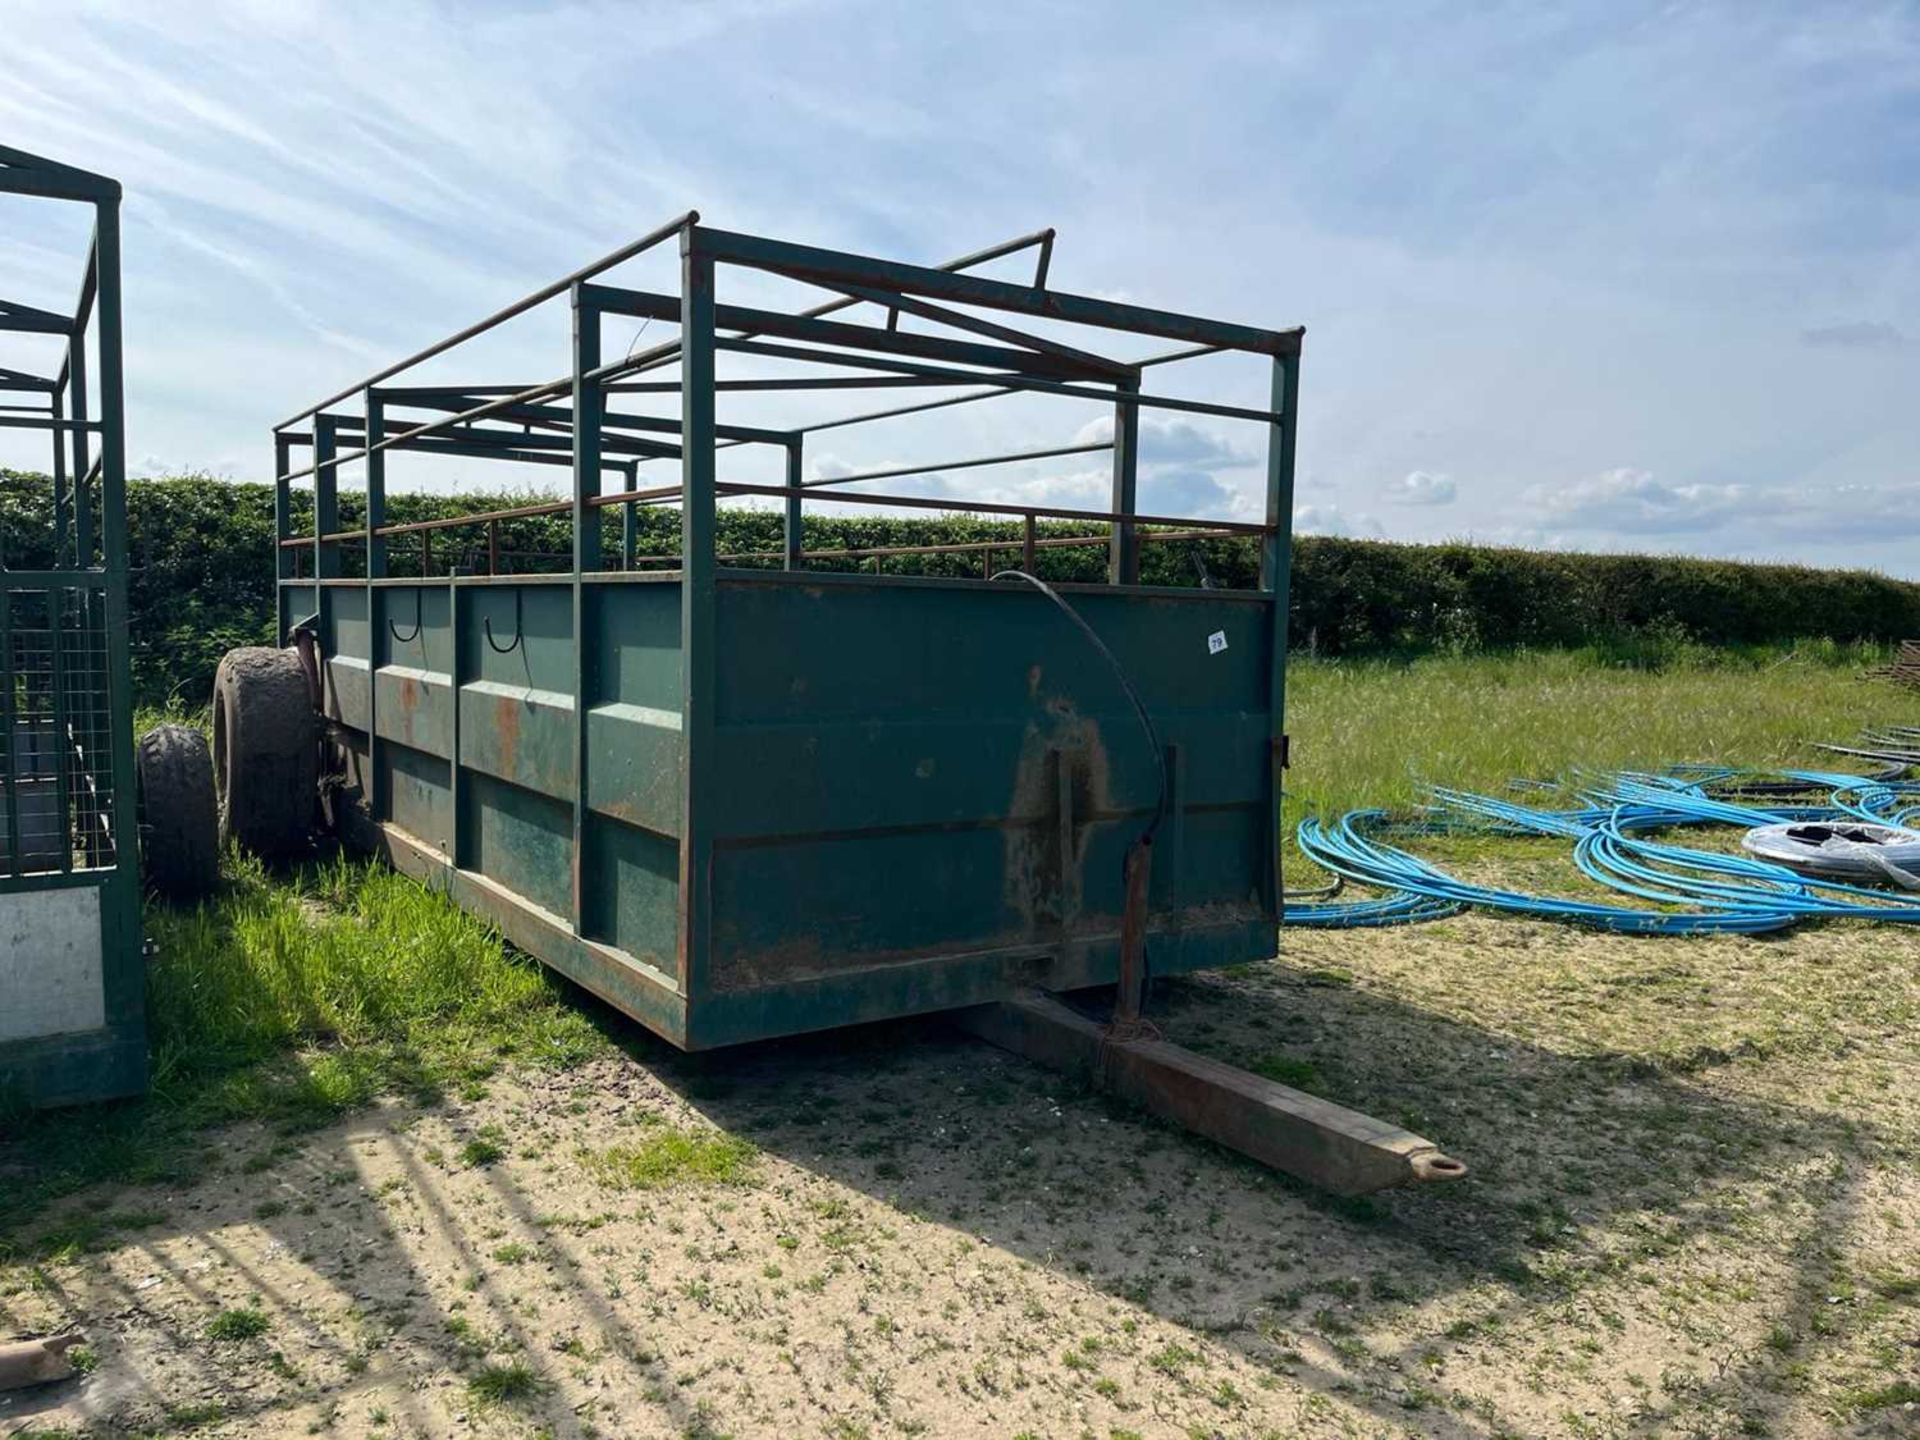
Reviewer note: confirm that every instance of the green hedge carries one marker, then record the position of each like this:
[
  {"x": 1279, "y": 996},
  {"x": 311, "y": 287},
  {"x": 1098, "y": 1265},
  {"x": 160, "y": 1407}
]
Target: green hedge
[{"x": 203, "y": 577}]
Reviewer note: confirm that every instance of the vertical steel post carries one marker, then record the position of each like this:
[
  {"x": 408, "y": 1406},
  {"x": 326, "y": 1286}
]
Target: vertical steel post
[
  {"x": 326, "y": 553},
  {"x": 9, "y": 780},
  {"x": 379, "y": 800},
  {"x": 376, "y": 431},
  {"x": 57, "y": 667},
  {"x": 793, "y": 534},
  {"x": 589, "y": 413},
  {"x": 62, "y": 502},
  {"x": 284, "y": 558},
  {"x": 697, "y": 602},
  {"x": 1123, "y": 555},
  {"x": 82, "y": 457},
  {"x": 1276, "y": 575},
  {"x": 126, "y": 985},
  {"x": 326, "y": 511},
  {"x": 629, "y": 517},
  {"x": 457, "y": 848}
]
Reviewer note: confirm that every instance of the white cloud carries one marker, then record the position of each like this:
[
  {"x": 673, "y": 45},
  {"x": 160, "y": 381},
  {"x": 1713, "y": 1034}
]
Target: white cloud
[
  {"x": 1633, "y": 501},
  {"x": 1423, "y": 487},
  {"x": 1187, "y": 493},
  {"x": 1171, "y": 442},
  {"x": 1332, "y": 520}
]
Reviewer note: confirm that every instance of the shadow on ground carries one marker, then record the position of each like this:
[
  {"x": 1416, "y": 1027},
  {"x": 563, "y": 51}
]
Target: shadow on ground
[{"x": 1585, "y": 1170}]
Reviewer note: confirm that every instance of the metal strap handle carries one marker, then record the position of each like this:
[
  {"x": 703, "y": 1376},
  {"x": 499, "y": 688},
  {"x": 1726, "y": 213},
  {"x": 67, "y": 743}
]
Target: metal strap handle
[
  {"x": 486, "y": 626},
  {"x": 394, "y": 630}
]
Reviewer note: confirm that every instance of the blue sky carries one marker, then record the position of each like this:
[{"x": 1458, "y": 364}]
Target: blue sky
[{"x": 1598, "y": 276}]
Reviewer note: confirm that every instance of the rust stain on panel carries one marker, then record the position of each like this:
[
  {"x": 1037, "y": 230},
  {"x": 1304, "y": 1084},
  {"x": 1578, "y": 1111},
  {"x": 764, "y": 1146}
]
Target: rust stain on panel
[
  {"x": 506, "y": 726},
  {"x": 1045, "y": 859}
]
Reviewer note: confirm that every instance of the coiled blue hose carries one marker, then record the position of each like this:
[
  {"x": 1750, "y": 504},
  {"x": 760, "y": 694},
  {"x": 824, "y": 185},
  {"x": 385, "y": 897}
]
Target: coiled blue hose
[{"x": 1708, "y": 892}]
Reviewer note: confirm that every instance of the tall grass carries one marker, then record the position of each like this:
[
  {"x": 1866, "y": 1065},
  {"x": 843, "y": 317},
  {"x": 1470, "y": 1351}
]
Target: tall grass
[
  {"x": 1380, "y": 732},
  {"x": 346, "y": 952}
]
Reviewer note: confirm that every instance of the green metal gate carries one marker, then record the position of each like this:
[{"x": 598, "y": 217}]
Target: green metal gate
[{"x": 72, "y": 1004}]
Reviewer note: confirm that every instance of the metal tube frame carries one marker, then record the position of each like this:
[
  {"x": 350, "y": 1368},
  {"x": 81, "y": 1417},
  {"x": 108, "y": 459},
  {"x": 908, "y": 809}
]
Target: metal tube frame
[
  {"x": 84, "y": 586},
  {"x": 570, "y": 419}
]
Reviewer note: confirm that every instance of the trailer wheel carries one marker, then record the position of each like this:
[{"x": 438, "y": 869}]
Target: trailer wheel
[
  {"x": 179, "y": 823},
  {"x": 265, "y": 757}
]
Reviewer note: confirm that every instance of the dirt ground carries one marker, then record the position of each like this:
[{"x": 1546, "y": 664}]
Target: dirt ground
[{"x": 1694, "y": 1209}]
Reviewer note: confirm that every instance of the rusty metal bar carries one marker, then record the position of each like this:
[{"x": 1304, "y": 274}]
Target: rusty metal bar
[
  {"x": 1320, "y": 1142},
  {"x": 893, "y": 300},
  {"x": 959, "y": 547},
  {"x": 670, "y": 492},
  {"x": 1042, "y": 238},
  {"x": 1013, "y": 382},
  {"x": 828, "y": 268},
  {"x": 1132, "y": 985},
  {"x": 539, "y": 297},
  {"x": 980, "y": 507},
  {"x": 768, "y": 383},
  {"x": 1012, "y": 458},
  {"x": 846, "y": 336},
  {"x": 995, "y": 393}
]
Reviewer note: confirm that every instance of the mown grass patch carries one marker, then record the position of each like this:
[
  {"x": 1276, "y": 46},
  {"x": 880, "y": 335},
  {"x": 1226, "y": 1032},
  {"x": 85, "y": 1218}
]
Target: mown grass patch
[
  {"x": 291, "y": 1000},
  {"x": 674, "y": 1157}
]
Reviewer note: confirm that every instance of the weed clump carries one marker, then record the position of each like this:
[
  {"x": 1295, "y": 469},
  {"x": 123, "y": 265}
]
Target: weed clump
[
  {"x": 674, "y": 1157},
  {"x": 497, "y": 1384},
  {"x": 247, "y": 1323}
]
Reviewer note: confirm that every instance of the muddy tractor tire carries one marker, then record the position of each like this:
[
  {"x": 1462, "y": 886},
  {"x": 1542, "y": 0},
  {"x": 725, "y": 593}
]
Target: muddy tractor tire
[
  {"x": 179, "y": 813},
  {"x": 266, "y": 759}
]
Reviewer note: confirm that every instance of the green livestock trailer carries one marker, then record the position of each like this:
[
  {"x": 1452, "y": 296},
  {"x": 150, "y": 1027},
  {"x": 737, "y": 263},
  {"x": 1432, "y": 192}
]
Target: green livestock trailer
[
  {"x": 72, "y": 786},
  {"x": 747, "y": 794}
]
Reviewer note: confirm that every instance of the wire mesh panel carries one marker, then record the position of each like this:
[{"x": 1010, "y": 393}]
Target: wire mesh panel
[
  {"x": 57, "y": 778},
  {"x": 72, "y": 979}
]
